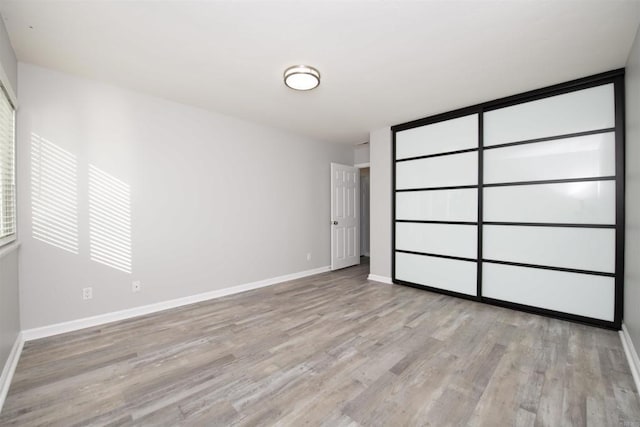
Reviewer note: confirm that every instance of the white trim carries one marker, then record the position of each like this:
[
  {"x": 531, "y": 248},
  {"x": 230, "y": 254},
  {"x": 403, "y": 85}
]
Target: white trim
[
  {"x": 74, "y": 325},
  {"x": 632, "y": 355},
  {"x": 10, "y": 368},
  {"x": 8, "y": 248},
  {"x": 381, "y": 279},
  {"x": 362, "y": 165}
]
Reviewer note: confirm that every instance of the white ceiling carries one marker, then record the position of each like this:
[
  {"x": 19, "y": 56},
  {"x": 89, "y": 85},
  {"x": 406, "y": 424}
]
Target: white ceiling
[{"x": 382, "y": 62}]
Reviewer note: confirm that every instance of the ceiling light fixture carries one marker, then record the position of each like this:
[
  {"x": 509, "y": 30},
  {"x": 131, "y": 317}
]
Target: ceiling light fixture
[{"x": 301, "y": 77}]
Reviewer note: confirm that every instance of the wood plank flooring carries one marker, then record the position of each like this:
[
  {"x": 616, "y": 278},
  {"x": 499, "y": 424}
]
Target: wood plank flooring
[{"x": 328, "y": 350}]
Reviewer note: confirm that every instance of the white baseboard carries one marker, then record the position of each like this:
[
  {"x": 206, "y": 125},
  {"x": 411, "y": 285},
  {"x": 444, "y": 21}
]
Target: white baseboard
[
  {"x": 10, "y": 368},
  {"x": 632, "y": 355},
  {"x": 381, "y": 279},
  {"x": 74, "y": 325}
]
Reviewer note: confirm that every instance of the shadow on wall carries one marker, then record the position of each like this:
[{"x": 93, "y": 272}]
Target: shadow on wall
[
  {"x": 54, "y": 195},
  {"x": 54, "y": 206},
  {"x": 109, "y": 220}
]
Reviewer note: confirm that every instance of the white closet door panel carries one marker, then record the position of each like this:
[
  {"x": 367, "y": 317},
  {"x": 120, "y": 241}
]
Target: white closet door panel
[
  {"x": 438, "y": 205},
  {"x": 580, "y": 248},
  {"x": 580, "y": 157},
  {"x": 580, "y": 294},
  {"x": 448, "y": 274},
  {"x": 449, "y": 135},
  {"x": 579, "y": 111},
  {"x": 453, "y": 170},
  {"x": 441, "y": 239},
  {"x": 591, "y": 202}
]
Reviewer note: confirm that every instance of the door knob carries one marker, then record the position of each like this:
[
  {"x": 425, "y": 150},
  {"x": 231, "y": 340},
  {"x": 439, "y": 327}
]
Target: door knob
[{"x": 335, "y": 222}]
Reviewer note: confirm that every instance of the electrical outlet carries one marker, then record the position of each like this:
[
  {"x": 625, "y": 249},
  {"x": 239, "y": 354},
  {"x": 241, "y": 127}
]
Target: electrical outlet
[
  {"x": 87, "y": 293},
  {"x": 309, "y": 256},
  {"x": 136, "y": 286}
]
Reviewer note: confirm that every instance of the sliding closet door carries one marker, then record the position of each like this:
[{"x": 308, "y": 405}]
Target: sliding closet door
[
  {"x": 549, "y": 203},
  {"x": 518, "y": 202},
  {"x": 436, "y": 199}
]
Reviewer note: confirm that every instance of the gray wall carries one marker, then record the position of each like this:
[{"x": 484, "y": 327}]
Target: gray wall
[
  {"x": 632, "y": 238},
  {"x": 361, "y": 154},
  {"x": 380, "y": 159},
  {"x": 9, "y": 304},
  {"x": 8, "y": 57},
  {"x": 215, "y": 201}
]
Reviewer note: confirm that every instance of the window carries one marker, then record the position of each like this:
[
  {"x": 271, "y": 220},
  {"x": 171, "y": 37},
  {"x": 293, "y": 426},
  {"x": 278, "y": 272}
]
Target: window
[{"x": 7, "y": 170}]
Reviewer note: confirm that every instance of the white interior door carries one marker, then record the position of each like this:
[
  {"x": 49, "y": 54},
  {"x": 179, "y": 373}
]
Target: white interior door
[{"x": 345, "y": 216}]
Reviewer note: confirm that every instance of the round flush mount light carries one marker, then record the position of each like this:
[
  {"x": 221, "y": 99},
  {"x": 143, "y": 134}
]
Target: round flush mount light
[{"x": 301, "y": 77}]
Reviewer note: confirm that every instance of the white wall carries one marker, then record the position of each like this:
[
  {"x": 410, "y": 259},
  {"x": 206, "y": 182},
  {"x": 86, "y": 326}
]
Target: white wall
[
  {"x": 361, "y": 154},
  {"x": 632, "y": 190},
  {"x": 380, "y": 149},
  {"x": 8, "y": 58},
  {"x": 215, "y": 201},
  {"x": 9, "y": 305}
]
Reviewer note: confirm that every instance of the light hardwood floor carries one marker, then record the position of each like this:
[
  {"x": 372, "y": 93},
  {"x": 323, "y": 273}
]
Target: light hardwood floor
[{"x": 331, "y": 349}]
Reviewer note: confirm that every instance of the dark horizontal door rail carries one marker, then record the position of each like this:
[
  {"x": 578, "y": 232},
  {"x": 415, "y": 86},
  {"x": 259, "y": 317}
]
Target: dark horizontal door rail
[{"x": 550, "y": 138}]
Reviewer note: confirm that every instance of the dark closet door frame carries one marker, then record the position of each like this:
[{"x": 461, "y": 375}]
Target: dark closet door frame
[{"x": 617, "y": 78}]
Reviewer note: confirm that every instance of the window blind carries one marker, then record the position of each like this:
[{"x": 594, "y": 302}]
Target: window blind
[{"x": 7, "y": 170}]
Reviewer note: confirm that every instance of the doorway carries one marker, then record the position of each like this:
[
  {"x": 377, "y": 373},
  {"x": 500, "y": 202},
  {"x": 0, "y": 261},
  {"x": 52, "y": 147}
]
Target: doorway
[{"x": 364, "y": 211}]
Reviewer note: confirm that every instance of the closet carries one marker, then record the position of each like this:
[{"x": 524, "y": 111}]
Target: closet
[{"x": 518, "y": 202}]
